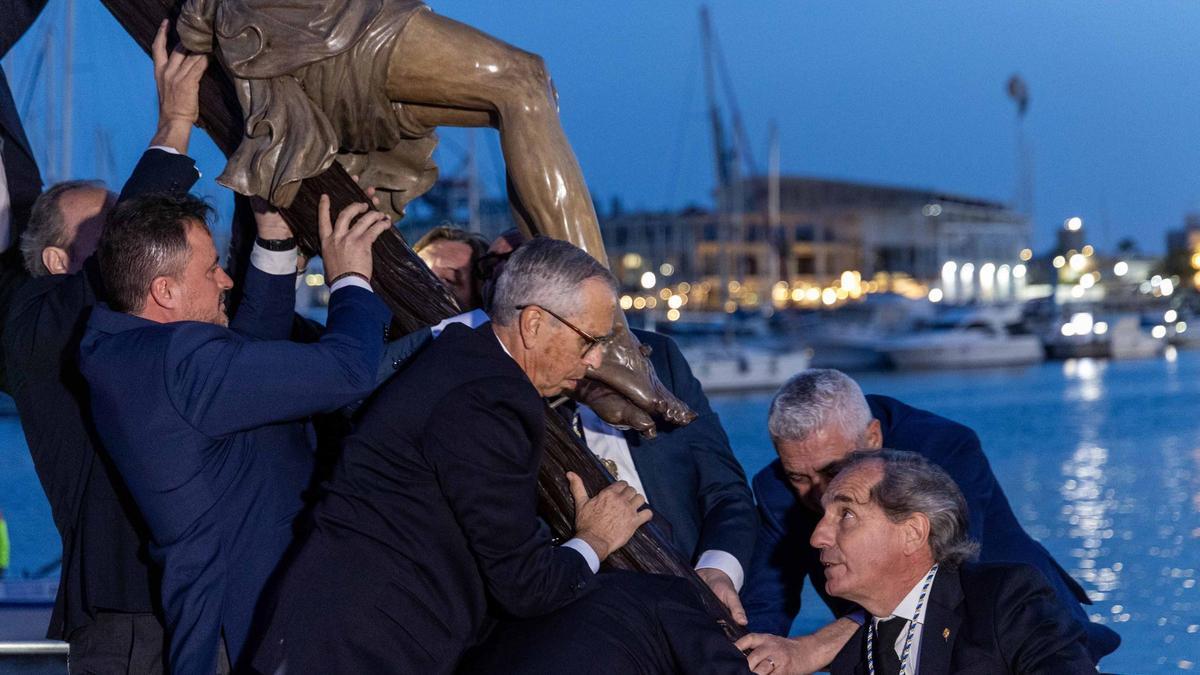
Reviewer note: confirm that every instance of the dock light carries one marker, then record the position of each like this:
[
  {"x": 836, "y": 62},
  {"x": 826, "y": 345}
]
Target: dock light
[
  {"x": 812, "y": 294},
  {"x": 666, "y": 269},
  {"x": 1170, "y": 315},
  {"x": 967, "y": 272},
  {"x": 1121, "y": 268},
  {"x": 626, "y": 302},
  {"x": 1167, "y": 287},
  {"x": 828, "y": 296},
  {"x": 949, "y": 268},
  {"x": 1019, "y": 272},
  {"x": 672, "y": 315},
  {"x": 1068, "y": 330},
  {"x": 1158, "y": 332},
  {"x": 1100, "y": 328},
  {"x": 1026, "y": 254},
  {"x": 935, "y": 295},
  {"x": 797, "y": 294},
  {"x": 1082, "y": 322},
  {"x": 648, "y": 280},
  {"x": 1059, "y": 262},
  {"x": 1074, "y": 224},
  {"x": 1078, "y": 262}
]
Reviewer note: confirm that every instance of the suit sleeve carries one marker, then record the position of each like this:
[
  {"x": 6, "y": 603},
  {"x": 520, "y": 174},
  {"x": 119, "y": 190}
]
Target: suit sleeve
[
  {"x": 223, "y": 384},
  {"x": 727, "y": 505},
  {"x": 776, "y": 577},
  {"x": 969, "y": 467},
  {"x": 1034, "y": 631},
  {"x": 160, "y": 171},
  {"x": 267, "y": 306},
  {"x": 480, "y": 442}
]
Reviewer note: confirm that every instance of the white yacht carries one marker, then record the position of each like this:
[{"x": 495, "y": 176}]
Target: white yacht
[
  {"x": 727, "y": 369},
  {"x": 976, "y": 338}
]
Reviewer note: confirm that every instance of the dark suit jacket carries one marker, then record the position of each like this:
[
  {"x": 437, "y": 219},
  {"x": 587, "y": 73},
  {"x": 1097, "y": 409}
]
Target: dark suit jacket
[
  {"x": 205, "y": 425},
  {"x": 689, "y": 473},
  {"x": 104, "y": 562},
  {"x": 783, "y": 556},
  {"x": 989, "y": 619},
  {"x": 429, "y": 524},
  {"x": 631, "y": 624}
]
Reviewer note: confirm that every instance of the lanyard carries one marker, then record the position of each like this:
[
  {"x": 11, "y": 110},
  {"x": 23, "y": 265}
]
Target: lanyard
[{"x": 908, "y": 637}]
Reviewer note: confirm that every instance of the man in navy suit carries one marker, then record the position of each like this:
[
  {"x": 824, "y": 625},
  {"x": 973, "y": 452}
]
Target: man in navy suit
[
  {"x": 818, "y": 418},
  {"x": 204, "y": 422},
  {"x": 428, "y": 530},
  {"x": 893, "y": 540},
  {"x": 688, "y": 475},
  {"x": 107, "y": 605}
]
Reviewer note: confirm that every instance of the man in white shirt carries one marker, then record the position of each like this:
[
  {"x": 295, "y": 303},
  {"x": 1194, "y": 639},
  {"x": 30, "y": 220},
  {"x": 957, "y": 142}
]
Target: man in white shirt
[{"x": 893, "y": 539}]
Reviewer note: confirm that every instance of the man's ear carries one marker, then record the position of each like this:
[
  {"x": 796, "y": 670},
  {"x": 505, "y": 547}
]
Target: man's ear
[
  {"x": 532, "y": 322},
  {"x": 165, "y": 292},
  {"x": 916, "y": 533},
  {"x": 873, "y": 439},
  {"x": 56, "y": 259}
]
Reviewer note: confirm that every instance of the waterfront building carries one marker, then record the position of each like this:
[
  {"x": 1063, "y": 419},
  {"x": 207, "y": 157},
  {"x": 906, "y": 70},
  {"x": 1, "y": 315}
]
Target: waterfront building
[{"x": 826, "y": 241}]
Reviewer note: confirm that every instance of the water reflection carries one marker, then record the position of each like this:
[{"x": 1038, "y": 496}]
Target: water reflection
[
  {"x": 1087, "y": 505},
  {"x": 1089, "y": 374}
]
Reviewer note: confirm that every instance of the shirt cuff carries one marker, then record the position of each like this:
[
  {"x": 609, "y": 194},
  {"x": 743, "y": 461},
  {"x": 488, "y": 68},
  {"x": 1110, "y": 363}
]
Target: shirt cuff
[
  {"x": 350, "y": 281},
  {"x": 165, "y": 148},
  {"x": 472, "y": 319},
  {"x": 584, "y": 549},
  {"x": 273, "y": 262},
  {"x": 720, "y": 560}
]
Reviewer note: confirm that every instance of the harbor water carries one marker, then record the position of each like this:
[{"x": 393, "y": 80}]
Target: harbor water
[{"x": 1101, "y": 461}]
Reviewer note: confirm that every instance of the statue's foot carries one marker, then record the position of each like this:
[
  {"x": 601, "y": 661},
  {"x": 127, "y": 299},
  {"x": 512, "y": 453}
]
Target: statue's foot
[
  {"x": 613, "y": 407},
  {"x": 626, "y": 368}
]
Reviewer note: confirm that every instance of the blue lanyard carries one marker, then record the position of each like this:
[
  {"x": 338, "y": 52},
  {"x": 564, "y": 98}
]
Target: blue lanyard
[{"x": 912, "y": 629}]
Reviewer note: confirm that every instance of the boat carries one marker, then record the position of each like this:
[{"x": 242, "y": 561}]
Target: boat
[
  {"x": 976, "y": 338},
  {"x": 1115, "y": 337},
  {"x": 728, "y": 369}
]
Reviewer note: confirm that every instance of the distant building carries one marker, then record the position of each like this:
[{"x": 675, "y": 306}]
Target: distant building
[{"x": 834, "y": 240}]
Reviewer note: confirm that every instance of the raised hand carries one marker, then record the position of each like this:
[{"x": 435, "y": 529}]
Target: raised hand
[
  {"x": 177, "y": 79},
  {"x": 346, "y": 243}
]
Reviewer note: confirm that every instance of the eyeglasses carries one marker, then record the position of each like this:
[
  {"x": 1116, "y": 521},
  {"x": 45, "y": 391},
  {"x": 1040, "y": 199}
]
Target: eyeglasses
[{"x": 591, "y": 340}]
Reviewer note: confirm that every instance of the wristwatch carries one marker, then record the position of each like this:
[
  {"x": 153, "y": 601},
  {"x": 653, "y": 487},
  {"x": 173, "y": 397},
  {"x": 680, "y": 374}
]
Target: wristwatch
[{"x": 276, "y": 244}]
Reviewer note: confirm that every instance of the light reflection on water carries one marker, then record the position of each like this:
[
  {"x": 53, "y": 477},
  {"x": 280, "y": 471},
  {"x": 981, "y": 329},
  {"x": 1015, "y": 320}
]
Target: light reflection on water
[{"x": 1101, "y": 462}]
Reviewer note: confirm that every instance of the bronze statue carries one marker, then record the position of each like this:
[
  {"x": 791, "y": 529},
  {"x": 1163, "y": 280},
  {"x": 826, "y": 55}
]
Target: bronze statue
[{"x": 366, "y": 82}]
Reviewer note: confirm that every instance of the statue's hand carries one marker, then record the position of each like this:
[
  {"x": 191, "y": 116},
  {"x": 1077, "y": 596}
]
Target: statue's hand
[
  {"x": 613, "y": 407},
  {"x": 626, "y": 368}
]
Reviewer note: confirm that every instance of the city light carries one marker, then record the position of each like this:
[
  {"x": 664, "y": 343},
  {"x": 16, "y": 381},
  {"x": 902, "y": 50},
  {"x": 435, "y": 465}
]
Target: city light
[
  {"x": 648, "y": 280},
  {"x": 639, "y": 303},
  {"x": 935, "y": 295},
  {"x": 666, "y": 269},
  {"x": 1121, "y": 268},
  {"x": 1181, "y": 327},
  {"x": 1167, "y": 287},
  {"x": 651, "y": 302},
  {"x": 672, "y": 314},
  {"x": 1059, "y": 261},
  {"x": 812, "y": 294},
  {"x": 1170, "y": 316},
  {"x": 1074, "y": 223},
  {"x": 314, "y": 279},
  {"x": 1087, "y": 281},
  {"x": 967, "y": 272},
  {"x": 626, "y": 302},
  {"x": 1082, "y": 322},
  {"x": 1019, "y": 272},
  {"x": 949, "y": 268},
  {"x": 1158, "y": 332},
  {"x": 631, "y": 260},
  {"x": 1026, "y": 254},
  {"x": 675, "y": 302},
  {"x": 1068, "y": 330},
  {"x": 1100, "y": 328},
  {"x": 1088, "y": 251},
  {"x": 1078, "y": 262},
  {"x": 828, "y": 296}
]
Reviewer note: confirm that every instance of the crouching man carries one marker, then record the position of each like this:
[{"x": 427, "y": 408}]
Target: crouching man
[{"x": 893, "y": 539}]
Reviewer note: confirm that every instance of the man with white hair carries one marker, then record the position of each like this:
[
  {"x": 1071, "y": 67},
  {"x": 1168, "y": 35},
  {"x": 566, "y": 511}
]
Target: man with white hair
[
  {"x": 429, "y": 528},
  {"x": 818, "y": 418},
  {"x": 893, "y": 539}
]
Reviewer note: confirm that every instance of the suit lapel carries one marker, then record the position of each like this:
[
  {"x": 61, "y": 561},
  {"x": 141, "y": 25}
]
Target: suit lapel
[{"x": 942, "y": 620}]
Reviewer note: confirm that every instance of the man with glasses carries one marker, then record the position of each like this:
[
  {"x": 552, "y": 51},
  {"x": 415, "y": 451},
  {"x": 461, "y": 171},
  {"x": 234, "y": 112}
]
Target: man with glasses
[
  {"x": 817, "y": 419},
  {"x": 429, "y": 527}
]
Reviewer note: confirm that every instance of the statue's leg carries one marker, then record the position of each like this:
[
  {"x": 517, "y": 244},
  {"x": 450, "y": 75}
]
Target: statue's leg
[
  {"x": 449, "y": 74},
  {"x": 444, "y": 64}
]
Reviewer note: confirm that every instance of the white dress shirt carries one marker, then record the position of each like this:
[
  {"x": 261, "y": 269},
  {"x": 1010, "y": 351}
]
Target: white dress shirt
[
  {"x": 908, "y": 609},
  {"x": 5, "y": 208},
  {"x": 608, "y": 442}
]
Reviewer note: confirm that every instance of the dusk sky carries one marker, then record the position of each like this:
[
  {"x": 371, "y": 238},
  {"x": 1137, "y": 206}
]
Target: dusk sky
[{"x": 909, "y": 94}]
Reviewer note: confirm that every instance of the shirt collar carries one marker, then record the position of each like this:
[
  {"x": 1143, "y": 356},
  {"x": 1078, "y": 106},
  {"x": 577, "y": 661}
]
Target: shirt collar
[{"x": 908, "y": 606}]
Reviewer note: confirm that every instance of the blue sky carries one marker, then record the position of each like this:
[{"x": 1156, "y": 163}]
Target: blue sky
[{"x": 899, "y": 93}]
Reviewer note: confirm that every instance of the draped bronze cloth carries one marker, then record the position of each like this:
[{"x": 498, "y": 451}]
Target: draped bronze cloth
[{"x": 312, "y": 80}]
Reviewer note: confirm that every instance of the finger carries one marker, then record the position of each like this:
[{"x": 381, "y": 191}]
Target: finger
[
  {"x": 734, "y": 603},
  {"x": 324, "y": 228},
  {"x": 644, "y": 516},
  {"x": 194, "y": 66},
  {"x": 748, "y": 641},
  {"x": 347, "y": 216},
  {"x": 758, "y": 662},
  {"x": 384, "y": 224},
  {"x": 578, "y": 491},
  {"x": 158, "y": 48},
  {"x": 637, "y": 501},
  {"x": 174, "y": 60}
]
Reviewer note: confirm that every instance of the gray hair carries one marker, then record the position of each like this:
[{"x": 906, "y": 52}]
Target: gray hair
[
  {"x": 548, "y": 273},
  {"x": 814, "y": 399},
  {"x": 912, "y": 484},
  {"x": 47, "y": 227}
]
